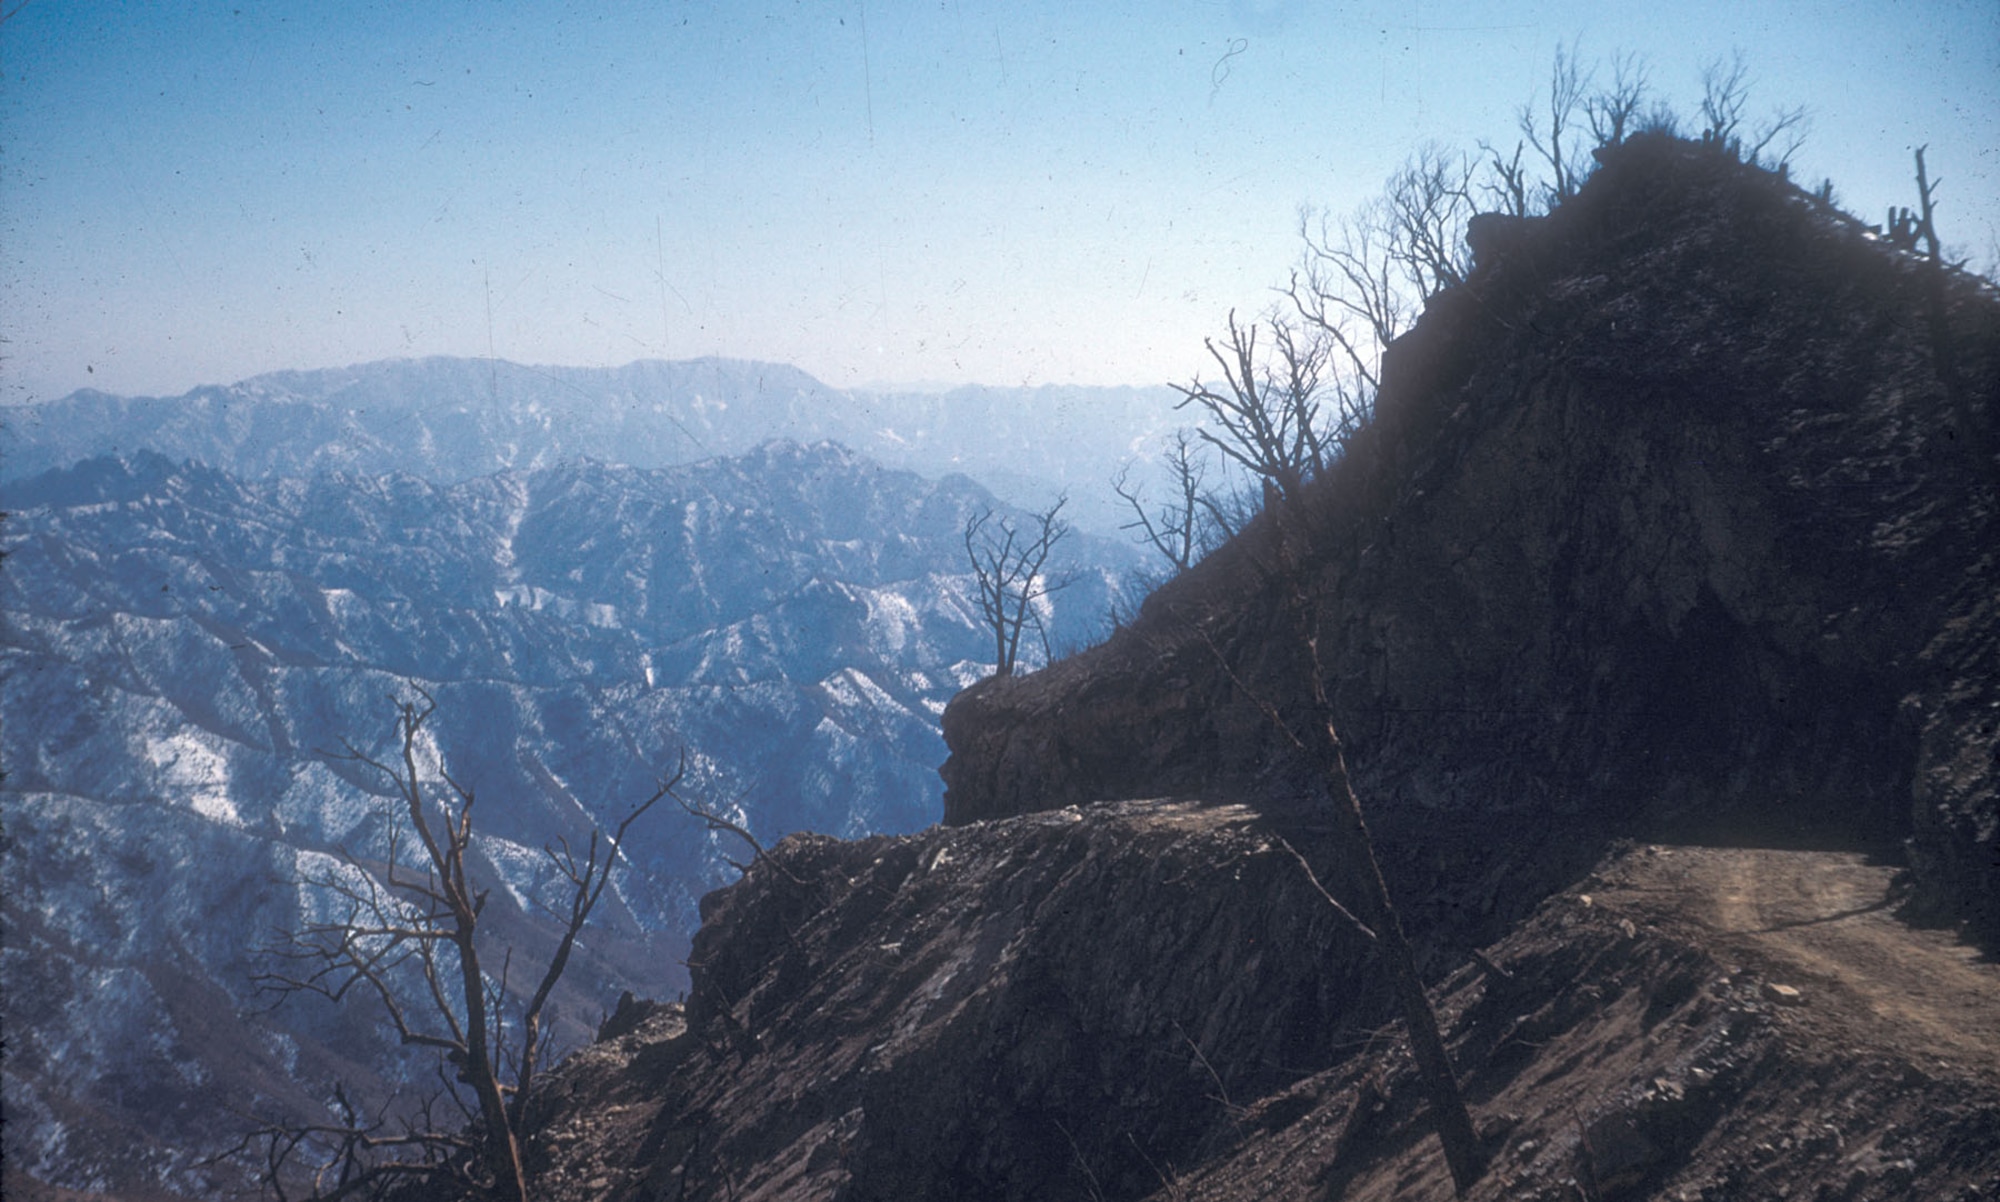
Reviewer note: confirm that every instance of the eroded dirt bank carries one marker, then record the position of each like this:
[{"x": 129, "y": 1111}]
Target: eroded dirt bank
[
  {"x": 1687, "y": 1023},
  {"x": 1684, "y": 1023}
]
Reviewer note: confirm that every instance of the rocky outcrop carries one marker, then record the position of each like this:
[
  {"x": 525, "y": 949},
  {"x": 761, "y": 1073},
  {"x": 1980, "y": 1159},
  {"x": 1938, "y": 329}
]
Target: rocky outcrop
[
  {"x": 1668, "y": 525},
  {"x": 976, "y": 1013},
  {"x": 1149, "y": 1000}
]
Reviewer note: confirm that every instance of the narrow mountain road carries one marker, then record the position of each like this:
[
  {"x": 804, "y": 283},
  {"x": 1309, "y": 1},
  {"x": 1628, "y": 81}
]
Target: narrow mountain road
[{"x": 1824, "y": 923}]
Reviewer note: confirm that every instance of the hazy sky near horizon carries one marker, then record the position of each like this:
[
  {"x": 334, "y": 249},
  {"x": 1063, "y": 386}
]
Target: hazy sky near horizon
[{"x": 942, "y": 192}]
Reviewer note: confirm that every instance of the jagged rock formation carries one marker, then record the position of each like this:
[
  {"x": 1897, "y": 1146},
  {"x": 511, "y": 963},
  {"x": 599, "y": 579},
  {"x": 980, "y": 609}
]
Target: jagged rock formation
[{"x": 1668, "y": 525}]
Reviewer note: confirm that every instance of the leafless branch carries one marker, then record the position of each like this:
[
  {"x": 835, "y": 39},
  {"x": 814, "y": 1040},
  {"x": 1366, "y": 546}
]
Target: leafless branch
[
  {"x": 1312, "y": 878},
  {"x": 1361, "y": 280},
  {"x": 1265, "y": 416},
  {"x": 1549, "y": 133},
  {"x": 1309, "y": 731},
  {"x": 1781, "y": 136},
  {"x": 1428, "y": 203},
  {"x": 1613, "y": 113},
  {"x": 1725, "y": 92},
  {"x": 1725, "y": 102},
  {"x": 408, "y": 934},
  {"x": 718, "y": 821},
  {"x": 1009, "y": 562},
  {"x": 1194, "y": 519},
  {"x": 1506, "y": 182}
]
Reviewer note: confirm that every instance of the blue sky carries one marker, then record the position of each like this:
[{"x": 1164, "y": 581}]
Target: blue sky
[{"x": 940, "y": 192}]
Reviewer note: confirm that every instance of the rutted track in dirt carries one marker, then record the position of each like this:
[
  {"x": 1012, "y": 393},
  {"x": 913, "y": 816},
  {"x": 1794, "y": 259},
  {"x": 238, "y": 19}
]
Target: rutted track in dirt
[
  {"x": 1826, "y": 923},
  {"x": 1686, "y": 1023}
]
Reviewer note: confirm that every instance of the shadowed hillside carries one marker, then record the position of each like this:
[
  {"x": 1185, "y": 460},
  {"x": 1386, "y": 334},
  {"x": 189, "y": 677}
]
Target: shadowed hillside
[{"x": 1667, "y": 526}]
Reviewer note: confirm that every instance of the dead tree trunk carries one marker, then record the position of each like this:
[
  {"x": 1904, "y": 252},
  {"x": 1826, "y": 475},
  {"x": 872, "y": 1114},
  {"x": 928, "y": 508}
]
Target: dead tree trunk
[
  {"x": 395, "y": 938},
  {"x": 1318, "y": 742},
  {"x": 1454, "y": 1125},
  {"x": 1268, "y": 421}
]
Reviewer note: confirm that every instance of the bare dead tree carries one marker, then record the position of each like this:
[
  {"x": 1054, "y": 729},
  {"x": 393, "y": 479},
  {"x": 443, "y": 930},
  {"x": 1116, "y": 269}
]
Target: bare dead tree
[
  {"x": 1610, "y": 115},
  {"x": 1778, "y": 139},
  {"x": 1725, "y": 101},
  {"x": 409, "y": 936},
  {"x": 1266, "y": 415},
  {"x": 718, "y": 821},
  {"x": 1361, "y": 280},
  {"x": 1725, "y": 92},
  {"x": 357, "y": 1155},
  {"x": 1009, "y": 566},
  {"x": 1927, "y": 209},
  {"x": 1319, "y": 741},
  {"x": 1347, "y": 287},
  {"x": 1266, "y": 418},
  {"x": 1550, "y": 133},
  {"x": 1614, "y": 113},
  {"x": 1504, "y": 181},
  {"x": 1267, "y": 421},
  {"x": 1309, "y": 732},
  {"x": 1427, "y": 204},
  {"x": 1379, "y": 265},
  {"x": 1193, "y": 518},
  {"x": 1922, "y": 225}
]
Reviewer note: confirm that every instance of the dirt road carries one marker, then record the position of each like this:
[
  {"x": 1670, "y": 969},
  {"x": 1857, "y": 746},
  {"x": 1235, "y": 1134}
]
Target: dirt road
[{"x": 1824, "y": 923}]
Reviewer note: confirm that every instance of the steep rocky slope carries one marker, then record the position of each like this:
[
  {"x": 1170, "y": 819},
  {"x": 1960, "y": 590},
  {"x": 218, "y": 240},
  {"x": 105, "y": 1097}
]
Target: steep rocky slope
[
  {"x": 1149, "y": 1000},
  {"x": 1668, "y": 525}
]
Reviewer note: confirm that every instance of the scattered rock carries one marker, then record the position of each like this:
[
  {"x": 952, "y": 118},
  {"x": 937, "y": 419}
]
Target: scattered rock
[{"x": 1618, "y": 1154}]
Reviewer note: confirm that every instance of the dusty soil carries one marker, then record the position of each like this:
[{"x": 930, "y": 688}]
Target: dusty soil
[
  {"x": 1687, "y": 1023},
  {"x": 1824, "y": 922},
  {"x": 1684, "y": 1023}
]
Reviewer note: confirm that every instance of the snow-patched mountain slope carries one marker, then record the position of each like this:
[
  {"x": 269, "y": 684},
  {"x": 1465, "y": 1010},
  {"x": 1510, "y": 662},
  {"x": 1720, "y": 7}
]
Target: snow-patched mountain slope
[
  {"x": 181, "y": 648},
  {"x": 453, "y": 419}
]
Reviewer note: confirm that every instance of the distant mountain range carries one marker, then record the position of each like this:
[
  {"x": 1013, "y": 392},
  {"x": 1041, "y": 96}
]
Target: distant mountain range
[
  {"x": 183, "y": 643},
  {"x": 452, "y": 419}
]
